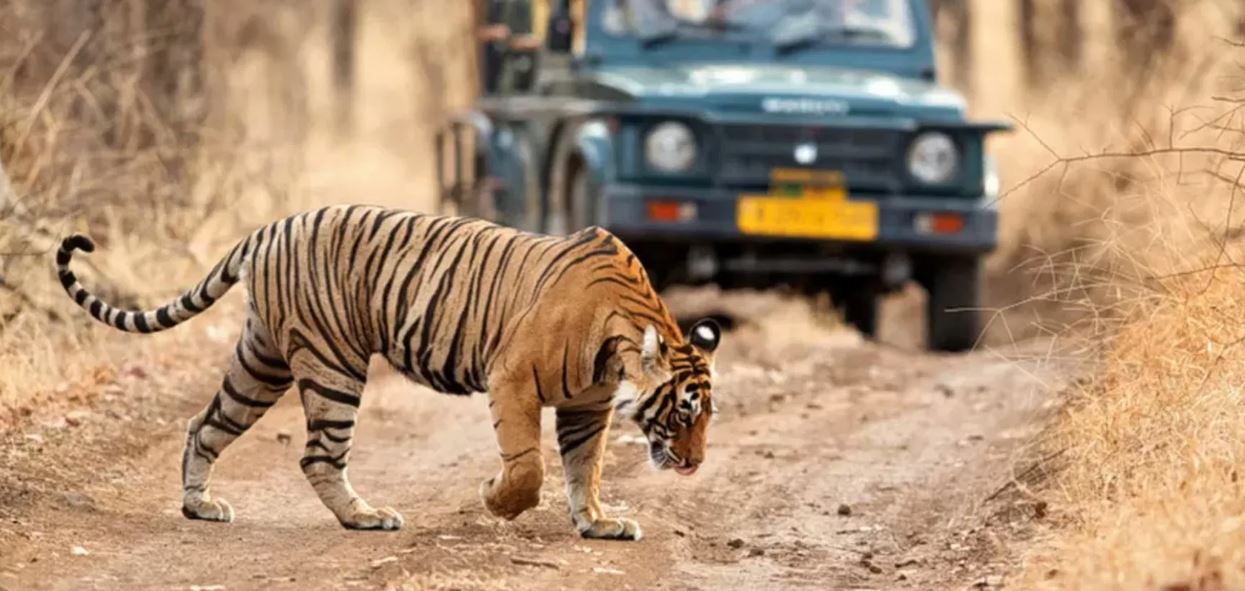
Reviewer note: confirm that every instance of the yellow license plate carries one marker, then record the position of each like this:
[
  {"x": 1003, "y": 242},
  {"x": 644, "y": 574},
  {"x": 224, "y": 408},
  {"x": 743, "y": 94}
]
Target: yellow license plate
[{"x": 799, "y": 206}]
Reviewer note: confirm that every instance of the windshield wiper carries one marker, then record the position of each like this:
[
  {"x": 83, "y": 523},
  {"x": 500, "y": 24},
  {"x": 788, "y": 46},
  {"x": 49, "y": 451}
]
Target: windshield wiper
[
  {"x": 678, "y": 30},
  {"x": 808, "y": 38},
  {"x": 659, "y": 38}
]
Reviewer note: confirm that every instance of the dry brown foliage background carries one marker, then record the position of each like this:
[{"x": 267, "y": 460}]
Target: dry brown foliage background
[
  {"x": 168, "y": 129},
  {"x": 166, "y": 136}
]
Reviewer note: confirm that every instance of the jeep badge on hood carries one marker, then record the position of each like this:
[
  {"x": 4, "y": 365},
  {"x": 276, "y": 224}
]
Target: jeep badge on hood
[{"x": 804, "y": 106}]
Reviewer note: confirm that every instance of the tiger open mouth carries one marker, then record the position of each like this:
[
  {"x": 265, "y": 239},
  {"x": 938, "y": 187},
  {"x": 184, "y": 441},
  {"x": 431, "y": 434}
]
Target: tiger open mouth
[{"x": 663, "y": 458}]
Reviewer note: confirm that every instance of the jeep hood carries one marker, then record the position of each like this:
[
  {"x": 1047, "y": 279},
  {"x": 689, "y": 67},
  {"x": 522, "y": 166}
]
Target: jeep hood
[{"x": 770, "y": 87}]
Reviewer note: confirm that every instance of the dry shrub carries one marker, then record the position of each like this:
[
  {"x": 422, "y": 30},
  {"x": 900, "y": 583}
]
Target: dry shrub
[
  {"x": 1131, "y": 240},
  {"x": 1151, "y": 486},
  {"x": 1110, "y": 169},
  {"x": 106, "y": 127},
  {"x": 167, "y": 129}
]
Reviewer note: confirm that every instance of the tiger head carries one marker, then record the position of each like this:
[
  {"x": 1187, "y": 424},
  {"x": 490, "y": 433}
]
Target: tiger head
[{"x": 673, "y": 402}]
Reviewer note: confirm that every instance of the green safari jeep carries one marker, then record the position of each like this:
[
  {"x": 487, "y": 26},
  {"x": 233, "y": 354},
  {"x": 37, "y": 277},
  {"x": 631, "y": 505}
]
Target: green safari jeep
[{"x": 748, "y": 143}]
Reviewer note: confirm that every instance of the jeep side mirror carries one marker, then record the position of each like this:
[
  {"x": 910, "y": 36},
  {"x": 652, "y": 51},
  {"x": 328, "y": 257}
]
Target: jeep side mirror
[{"x": 561, "y": 32}]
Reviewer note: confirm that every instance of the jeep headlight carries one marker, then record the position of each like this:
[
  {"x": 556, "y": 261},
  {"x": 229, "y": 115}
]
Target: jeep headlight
[
  {"x": 933, "y": 158},
  {"x": 670, "y": 147}
]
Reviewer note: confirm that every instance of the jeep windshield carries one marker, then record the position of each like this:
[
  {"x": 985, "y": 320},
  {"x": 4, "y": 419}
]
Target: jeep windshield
[{"x": 787, "y": 25}]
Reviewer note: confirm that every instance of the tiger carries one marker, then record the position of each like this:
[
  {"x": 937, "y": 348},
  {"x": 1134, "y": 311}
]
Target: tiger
[{"x": 461, "y": 306}]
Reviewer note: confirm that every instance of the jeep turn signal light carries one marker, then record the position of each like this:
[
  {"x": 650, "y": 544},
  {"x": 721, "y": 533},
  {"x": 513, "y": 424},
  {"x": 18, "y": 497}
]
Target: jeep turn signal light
[
  {"x": 939, "y": 223},
  {"x": 671, "y": 211}
]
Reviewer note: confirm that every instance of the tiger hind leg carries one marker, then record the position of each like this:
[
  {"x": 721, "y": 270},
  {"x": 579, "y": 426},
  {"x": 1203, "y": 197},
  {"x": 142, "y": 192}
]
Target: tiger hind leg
[
  {"x": 331, "y": 403},
  {"x": 515, "y": 408},
  {"x": 257, "y": 377}
]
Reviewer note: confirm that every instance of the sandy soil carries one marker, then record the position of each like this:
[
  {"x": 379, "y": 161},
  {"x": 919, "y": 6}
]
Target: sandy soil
[{"x": 835, "y": 464}]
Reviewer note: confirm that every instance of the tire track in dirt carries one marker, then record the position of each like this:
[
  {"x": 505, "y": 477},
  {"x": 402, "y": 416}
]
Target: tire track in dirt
[{"x": 812, "y": 419}]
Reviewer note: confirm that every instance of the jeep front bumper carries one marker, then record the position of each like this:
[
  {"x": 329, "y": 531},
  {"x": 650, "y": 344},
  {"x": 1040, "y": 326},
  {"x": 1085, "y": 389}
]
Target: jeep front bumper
[{"x": 712, "y": 217}]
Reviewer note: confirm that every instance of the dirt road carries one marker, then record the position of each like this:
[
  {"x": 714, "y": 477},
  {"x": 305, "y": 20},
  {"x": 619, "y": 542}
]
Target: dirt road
[{"x": 835, "y": 464}]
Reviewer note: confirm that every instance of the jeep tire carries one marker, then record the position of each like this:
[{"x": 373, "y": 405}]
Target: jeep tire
[
  {"x": 581, "y": 199},
  {"x": 574, "y": 206},
  {"x": 859, "y": 306},
  {"x": 952, "y": 315}
]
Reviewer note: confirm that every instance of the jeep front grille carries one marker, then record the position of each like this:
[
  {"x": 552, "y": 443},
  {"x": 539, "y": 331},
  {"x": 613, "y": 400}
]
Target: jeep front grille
[{"x": 870, "y": 159}]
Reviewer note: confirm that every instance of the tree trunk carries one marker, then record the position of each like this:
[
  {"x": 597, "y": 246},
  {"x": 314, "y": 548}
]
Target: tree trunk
[
  {"x": 1144, "y": 29},
  {"x": 172, "y": 73},
  {"x": 343, "y": 28},
  {"x": 1031, "y": 50},
  {"x": 1070, "y": 38},
  {"x": 6, "y": 192},
  {"x": 1051, "y": 39},
  {"x": 958, "y": 17}
]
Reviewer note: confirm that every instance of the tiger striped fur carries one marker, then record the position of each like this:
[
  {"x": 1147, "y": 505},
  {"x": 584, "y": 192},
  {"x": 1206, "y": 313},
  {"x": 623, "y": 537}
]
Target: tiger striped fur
[{"x": 461, "y": 306}]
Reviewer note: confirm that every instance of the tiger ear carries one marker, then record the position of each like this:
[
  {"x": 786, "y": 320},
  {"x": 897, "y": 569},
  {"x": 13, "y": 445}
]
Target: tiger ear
[
  {"x": 705, "y": 335},
  {"x": 650, "y": 351},
  {"x": 654, "y": 356}
]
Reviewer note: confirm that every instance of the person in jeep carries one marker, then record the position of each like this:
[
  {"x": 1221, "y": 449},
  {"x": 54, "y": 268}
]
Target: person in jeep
[
  {"x": 508, "y": 46},
  {"x": 852, "y": 21}
]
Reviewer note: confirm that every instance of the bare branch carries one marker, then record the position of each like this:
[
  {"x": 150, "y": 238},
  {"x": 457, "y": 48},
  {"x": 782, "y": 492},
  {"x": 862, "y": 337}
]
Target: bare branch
[
  {"x": 1068, "y": 161},
  {"x": 45, "y": 96}
]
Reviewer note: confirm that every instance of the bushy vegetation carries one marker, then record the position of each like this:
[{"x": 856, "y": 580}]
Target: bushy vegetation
[
  {"x": 1123, "y": 224},
  {"x": 166, "y": 129}
]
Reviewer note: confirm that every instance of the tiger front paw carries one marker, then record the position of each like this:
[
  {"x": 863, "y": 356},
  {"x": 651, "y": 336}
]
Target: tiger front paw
[
  {"x": 612, "y": 529},
  {"x": 207, "y": 508},
  {"x": 364, "y": 517}
]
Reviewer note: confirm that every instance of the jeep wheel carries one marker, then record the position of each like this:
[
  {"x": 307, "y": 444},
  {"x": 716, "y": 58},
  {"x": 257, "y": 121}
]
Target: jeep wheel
[
  {"x": 574, "y": 207},
  {"x": 529, "y": 219},
  {"x": 581, "y": 199},
  {"x": 952, "y": 316},
  {"x": 859, "y": 305}
]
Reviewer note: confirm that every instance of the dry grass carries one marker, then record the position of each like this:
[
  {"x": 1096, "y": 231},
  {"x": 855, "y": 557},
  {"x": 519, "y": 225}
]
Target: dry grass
[
  {"x": 165, "y": 194},
  {"x": 1149, "y": 493},
  {"x": 1075, "y": 238},
  {"x": 1150, "y": 487},
  {"x": 83, "y": 148},
  {"x": 1127, "y": 248},
  {"x": 1146, "y": 494}
]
